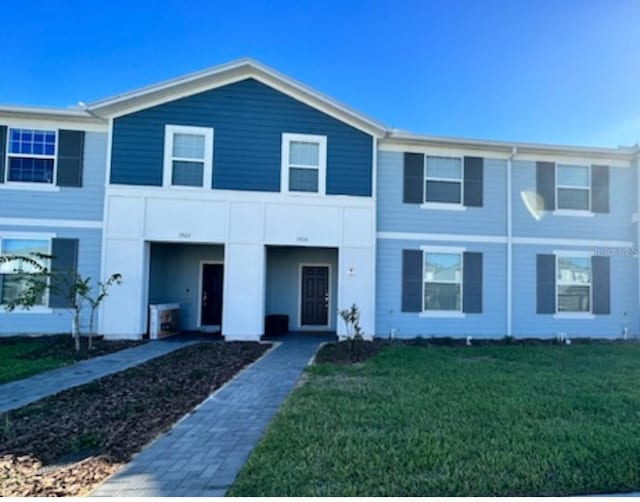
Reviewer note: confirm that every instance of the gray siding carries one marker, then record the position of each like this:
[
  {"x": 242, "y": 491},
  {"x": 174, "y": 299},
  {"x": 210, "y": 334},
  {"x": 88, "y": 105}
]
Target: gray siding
[
  {"x": 83, "y": 203},
  {"x": 248, "y": 119},
  {"x": 59, "y": 321},
  {"x": 491, "y": 323},
  {"x": 396, "y": 216},
  {"x": 614, "y": 225}
]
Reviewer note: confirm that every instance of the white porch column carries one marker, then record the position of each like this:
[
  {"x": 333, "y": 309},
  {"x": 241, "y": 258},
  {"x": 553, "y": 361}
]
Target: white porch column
[
  {"x": 243, "y": 304},
  {"x": 356, "y": 279},
  {"x": 124, "y": 311}
]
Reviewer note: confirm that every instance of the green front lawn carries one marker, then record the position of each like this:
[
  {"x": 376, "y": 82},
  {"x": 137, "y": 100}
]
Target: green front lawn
[
  {"x": 443, "y": 421},
  {"x": 21, "y": 357}
]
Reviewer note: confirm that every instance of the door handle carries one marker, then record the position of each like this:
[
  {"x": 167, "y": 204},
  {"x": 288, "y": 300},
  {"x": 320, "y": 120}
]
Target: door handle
[{"x": 204, "y": 299}]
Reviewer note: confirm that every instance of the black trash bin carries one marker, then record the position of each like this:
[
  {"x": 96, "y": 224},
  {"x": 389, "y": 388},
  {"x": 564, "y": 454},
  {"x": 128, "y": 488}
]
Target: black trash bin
[{"x": 276, "y": 324}]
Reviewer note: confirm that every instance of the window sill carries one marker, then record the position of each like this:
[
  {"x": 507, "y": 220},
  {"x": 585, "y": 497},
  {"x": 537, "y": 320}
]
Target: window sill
[
  {"x": 573, "y": 212},
  {"x": 32, "y": 310},
  {"x": 35, "y": 187},
  {"x": 577, "y": 315},
  {"x": 443, "y": 206},
  {"x": 443, "y": 314}
]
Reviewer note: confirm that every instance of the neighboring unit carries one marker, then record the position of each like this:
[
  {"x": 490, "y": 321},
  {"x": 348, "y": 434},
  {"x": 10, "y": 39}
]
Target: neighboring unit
[{"x": 238, "y": 193}]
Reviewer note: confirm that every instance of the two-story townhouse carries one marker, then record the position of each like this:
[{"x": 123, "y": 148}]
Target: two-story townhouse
[
  {"x": 52, "y": 169},
  {"x": 237, "y": 193},
  {"x": 493, "y": 239}
]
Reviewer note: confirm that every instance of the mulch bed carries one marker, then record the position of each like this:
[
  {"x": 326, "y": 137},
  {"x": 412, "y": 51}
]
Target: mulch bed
[
  {"x": 67, "y": 444},
  {"x": 64, "y": 346},
  {"x": 358, "y": 351}
]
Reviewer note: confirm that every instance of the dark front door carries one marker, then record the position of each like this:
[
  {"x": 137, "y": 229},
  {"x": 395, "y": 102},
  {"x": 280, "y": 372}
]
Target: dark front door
[
  {"x": 211, "y": 301},
  {"x": 315, "y": 296}
]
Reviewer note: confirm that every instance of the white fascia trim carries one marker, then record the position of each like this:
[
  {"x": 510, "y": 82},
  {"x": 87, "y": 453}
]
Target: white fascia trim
[
  {"x": 43, "y": 121},
  {"x": 34, "y": 222},
  {"x": 572, "y": 242},
  {"x": 494, "y": 239},
  {"x": 410, "y": 236},
  {"x": 225, "y": 74},
  {"x": 443, "y": 249},
  {"x": 398, "y": 140},
  {"x": 444, "y": 314}
]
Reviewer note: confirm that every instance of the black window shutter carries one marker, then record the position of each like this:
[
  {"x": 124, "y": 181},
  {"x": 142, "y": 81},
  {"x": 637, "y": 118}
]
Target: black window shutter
[
  {"x": 64, "y": 266},
  {"x": 600, "y": 284},
  {"x": 70, "y": 158},
  {"x": 472, "y": 283},
  {"x": 473, "y": 177},
  {"x": 411, "y": 280},
  {"x": 600, "y": 189},
  {"x": 546, "y": 283},
  {"x": 546, "y": 185},
  {"x": 3, "y": 150},
  {"x": 413, "y": 191}
]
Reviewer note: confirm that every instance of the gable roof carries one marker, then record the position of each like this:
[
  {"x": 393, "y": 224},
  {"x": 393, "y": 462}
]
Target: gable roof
[{"x": 225, "y": 74}]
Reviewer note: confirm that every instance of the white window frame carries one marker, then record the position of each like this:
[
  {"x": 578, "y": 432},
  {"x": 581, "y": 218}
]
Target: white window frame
[
  {"x": 36, "y": 309},
  {"x": 207, "y": 174},
  {"x": 442, "y": 250},
  {"x": 287, "y": 139},
  {"x": 567, "y": 211},
  {"x": 579, "y": 314},
  {"x": 427, "y": 204},
  {"x": 31, "y": 185}
]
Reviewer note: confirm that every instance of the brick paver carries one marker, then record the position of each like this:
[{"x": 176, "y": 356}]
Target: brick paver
[
  {"x": 204, "y": 452},
  {"x": 22, "y": 392}
]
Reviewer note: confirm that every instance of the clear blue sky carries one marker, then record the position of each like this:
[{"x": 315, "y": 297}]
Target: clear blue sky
[{"x": 563, "y": 71}]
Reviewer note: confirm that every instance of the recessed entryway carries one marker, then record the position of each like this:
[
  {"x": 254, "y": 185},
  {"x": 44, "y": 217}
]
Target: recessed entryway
[
  {"x": 302, "y": 284},
  {"x": 191, "y": 275}
]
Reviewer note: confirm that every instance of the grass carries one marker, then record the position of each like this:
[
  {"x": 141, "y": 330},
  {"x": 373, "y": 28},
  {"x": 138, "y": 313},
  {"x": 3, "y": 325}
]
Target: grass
[
  {"x": 458, "y": 421},
  {"x": 21, "y": 357}
]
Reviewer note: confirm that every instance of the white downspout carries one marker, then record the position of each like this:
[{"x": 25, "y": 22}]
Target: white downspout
[
  {"x": 637, "y": 168},
  {"x": 514, "y": 151}
]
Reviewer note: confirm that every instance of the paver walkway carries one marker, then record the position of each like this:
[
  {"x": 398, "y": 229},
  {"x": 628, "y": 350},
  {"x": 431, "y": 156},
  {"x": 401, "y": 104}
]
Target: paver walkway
[
  {"x": 22, "y": 392},
  {"x": 204, "y": 452}
]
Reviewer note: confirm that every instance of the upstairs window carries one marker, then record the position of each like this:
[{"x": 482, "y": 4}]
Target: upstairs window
[
  {"x": 31, "y": 155},
  {"x": 573, "y": 284},
  {"x": 304, "y": 159},
  {"x": 442, "y": 278},
  {"x": 573, "y": 187},
  {"x": 12, "y": 282},
  {"x": 188, "y": 156},
  {"x": 443, "y": 180}
]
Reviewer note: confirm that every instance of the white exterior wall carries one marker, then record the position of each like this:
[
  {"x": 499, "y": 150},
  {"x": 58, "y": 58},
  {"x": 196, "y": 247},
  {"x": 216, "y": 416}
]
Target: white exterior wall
[{"x": 244, "y": 222}]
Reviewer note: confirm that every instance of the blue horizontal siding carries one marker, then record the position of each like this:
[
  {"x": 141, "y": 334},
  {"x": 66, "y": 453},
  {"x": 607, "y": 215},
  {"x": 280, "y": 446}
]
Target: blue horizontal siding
[
  {"x": 491, "y": 323},
  {"x": 396, "y": 216},
  {"x": 59, "y": 321},
  {"x": 624, "y": 299},
  {"x": 82, "y": 203},
  {"x": 248, "y": 119},
  {"x": 614, "y": 225}
]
